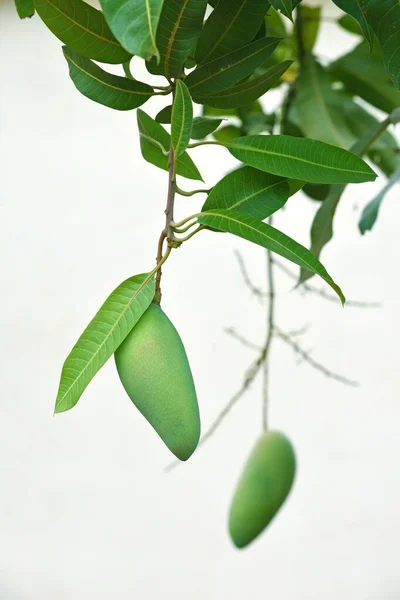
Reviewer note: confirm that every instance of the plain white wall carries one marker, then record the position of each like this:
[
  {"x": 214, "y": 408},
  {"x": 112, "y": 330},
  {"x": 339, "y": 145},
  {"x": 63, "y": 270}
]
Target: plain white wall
[{"x": 86, "y": 511}]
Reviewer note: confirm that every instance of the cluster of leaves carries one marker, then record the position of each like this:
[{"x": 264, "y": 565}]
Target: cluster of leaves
[{"x": 225, "y": 56}]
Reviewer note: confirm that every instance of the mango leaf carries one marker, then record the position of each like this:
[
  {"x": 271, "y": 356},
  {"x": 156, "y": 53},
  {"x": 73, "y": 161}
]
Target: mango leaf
[
  {"x": 178, "y": 29},
  {"x": 319, "y": 107},
  {"x": 165, "y": 115},
  {"x": 82, "y": 28},
  {"x": 298, "y": 158},
  {"x": 384, "y": 18},
  {"x": 310, "y": 17},
  {"x": 228, "y": 70},
  {"x": 243, "y": 93},
  {"x": 110, "y": 90},
  {"x": 250, "y": 192},
  {"x": 349, "y": 24},
  {"x": 25, "y": 8},
  {"x": 110, "y": 326},
  {"x": 370, "y": 212},
  {"x": 268, "y": 237},
  {"x": 228, "y": 133},
  {"x": 182, "y": 119},
  {"x": 284, "y": 6},
  {"x": 203, "y": 126},
  {"x": 232, "y": 25},
  {"x": 354, "y": 8},
  {"x": 155, "y": 143},
  {"x": 364, "y": 75},
  {"x": 134, "y": 24}
]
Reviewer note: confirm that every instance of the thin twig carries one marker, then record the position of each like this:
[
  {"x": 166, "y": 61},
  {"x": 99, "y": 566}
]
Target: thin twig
[
  {"x": 270, "y": 333},
  {"x": 254, "y": 289},
  {"x": 167, "y": 232},
  {"x": 233, "y": 333}
]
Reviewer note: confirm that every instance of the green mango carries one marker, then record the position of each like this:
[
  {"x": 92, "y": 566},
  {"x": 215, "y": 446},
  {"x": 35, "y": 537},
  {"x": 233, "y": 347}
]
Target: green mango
[
  {"x": 155, "y": 372},
  {"x": 262, "y": 488}
]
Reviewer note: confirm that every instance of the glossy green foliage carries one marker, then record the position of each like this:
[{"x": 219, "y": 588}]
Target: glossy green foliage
[
  {"x": 156, "y": 375},
  {"x": 268, "y": 237},
  {"x": 119, "y": 313},
  {"x": 181, "y": 119},
  {"x": 284, "y": 6},
  {"x": 370, "y": 212},
  {"x": 304, "y": 159},
  {"x": 155, "y": 143},
  {"x": 356, "y": 9},
  {"x": 263, "y": 487},
  {"x": 203, "y": 126},
  {"x": 165, "y": 115},
  {"x": 231, "y": 25},
  {"x": 110, "y": 90},
  {"x": 228, "y": 70},
  {"x": 134, "y": 24},
  {"x": 25, "y": 8},
  {"x": 250, "y": 192},
  {"x": 82, "y": 28},
  {"x": 384, "y": 18}
]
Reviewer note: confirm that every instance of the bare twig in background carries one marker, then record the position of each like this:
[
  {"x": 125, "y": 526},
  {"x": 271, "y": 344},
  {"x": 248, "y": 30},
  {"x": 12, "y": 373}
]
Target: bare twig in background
[
  {"x": 232, "y": 332},
  {"x": 270, "y": 334},
  {"x": 308, "y": 358},
  {"x": 256, "y": 291}
]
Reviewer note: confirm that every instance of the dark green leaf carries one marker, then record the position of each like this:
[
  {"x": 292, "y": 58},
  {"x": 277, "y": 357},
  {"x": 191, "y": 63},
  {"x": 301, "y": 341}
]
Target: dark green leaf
[
  {"x": 250, "y": 192},
  {"x": 228, "y": 70},
  {"x": 110, "y": 90},
  {"x": 384, "y": 18},
  {"x": 284, "y": 6},
  {"x": 316, "y": 191},
  {"x": 115, "y": 319},
  {"x": 370, "y": 212},
  {"x": 182, "y": 119},
  {"x": 25, "y": 8},
  {"x": 228, "y": 133},
  {"x": 232, "y": 25},
  {"x": 155, "y": 143},
  {"x": 243, "y": 93},
  {"x": 82, "y": 28},
  {"x": 298, "y": 158},
  {"x": 310, "y": 17},
  {"x": 165, "y": 115},
  {"x": 354, "y": 8},
  {"x": 268, "y": 237},
  {"x": 274, "y": 25},
  {"x": 134, "y": 24},
  {"x": 203, "y": 126}
]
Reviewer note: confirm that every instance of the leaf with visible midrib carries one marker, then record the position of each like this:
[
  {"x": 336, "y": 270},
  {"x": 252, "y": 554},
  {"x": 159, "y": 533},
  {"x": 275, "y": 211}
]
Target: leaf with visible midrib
[
  {"x": 300, "y": 158},
  {"x": 384, "y": 18},
  {"x": 268, "y": 237},
  {"x": 354, "y": 8},
  {"x": 182, "y": 118},
  {"x": 370, "y": 212},
  {"x": 110, "y": 90},
  {"x": 203, "y": 126},
  {"x": 82, "y": 28},
  {"x": 134, "y": 24},
  {"x": 115, "y": 319}
]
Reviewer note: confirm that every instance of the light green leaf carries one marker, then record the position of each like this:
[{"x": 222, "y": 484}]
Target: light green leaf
[
  {"x": 250, "y": 192},
  {"x": 226, "y": 134},
  {"x": 203, "y": 126},
  {"x": 110, "y": 90},
  {"x": 370, "y": 212},
  {"x": 354, "y": 8},
  {"x": 231, "y": 25},
  {"x": 243, "y": 93},
  {"x": 228, "y": 70},
  {"x": 310, "y": 17},
  {"x": 165, "y": 115},
  {"x": 384, "y": 18},
  {"x": 115, "y": 319},
  {"x": 25, "y": 8},
  {"x": 155, "y": 143},
  {"x": 134, "y": 24},
  {"x": 298, "y": 158},
  {"x": 182, "y": 119},
  {"x": 82, "y": 28},
  {"x": 178, "y": 29},
  {"x": 268, "y": 237}
]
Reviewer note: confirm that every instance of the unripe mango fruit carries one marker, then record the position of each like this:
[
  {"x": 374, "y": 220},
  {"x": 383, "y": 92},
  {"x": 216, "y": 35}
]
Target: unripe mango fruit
[
  {"x": 155, "y": 372},
  {"x": 262, "y": 488}
]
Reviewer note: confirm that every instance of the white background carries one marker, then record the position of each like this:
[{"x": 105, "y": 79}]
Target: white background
[{"x": 86, "y": 511}]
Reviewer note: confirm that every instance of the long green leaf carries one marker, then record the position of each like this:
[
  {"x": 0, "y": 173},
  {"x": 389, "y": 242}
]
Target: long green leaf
[
  {"x": 354, "y": 8},
  {"x": 370, "y": 212},
  {"x": 228, "y": 70},
  {"x": 250, "y": 192},
  {"x": 244, "y": 93},
  {"x": 384, "y": 18},
  {"x": 284, "y": 6},
  {"x": 155, "y": 143},
  {"x": 25, "y": 8},
  {"x": 268, "y": 237},
  {"x": 82, "y": 28},
  {"x": 231, "y": 25},
  {"x": 110, "y": 90},
  {"x": 298, "y": 158},
  {"x": 178, "y": 29},
  {"x": 203, "y": 126},
  {"x": 182, "y": 119},
  {"x": 115, "y": 319},
  {"x": 134, "y": 24}
]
